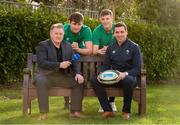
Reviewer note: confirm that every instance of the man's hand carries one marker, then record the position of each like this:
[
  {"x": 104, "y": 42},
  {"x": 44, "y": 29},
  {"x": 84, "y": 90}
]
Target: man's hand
[
  {"x": 75, "y": 46},
  {"x": 79, "y": 78},
  {"x": 64, "y": 64},
  {"x": 121, "y": 76},
  {"x": 98, "y": 77},
  {"x": 102, "y": 51}
]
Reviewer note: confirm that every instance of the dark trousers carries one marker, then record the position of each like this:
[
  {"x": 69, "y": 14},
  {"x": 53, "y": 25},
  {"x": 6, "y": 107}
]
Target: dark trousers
[
  {"x": 44, "y": 82},
  {"x": 111, "y": 99},
  {"x": 127, "y": 85}
]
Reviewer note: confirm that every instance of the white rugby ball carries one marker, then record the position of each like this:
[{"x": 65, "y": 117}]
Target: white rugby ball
[{"x": 108, "y": 77}]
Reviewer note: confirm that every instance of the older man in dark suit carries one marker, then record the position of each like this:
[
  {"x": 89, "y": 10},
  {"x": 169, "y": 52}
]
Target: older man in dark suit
[{"x": 54, "y": 56}]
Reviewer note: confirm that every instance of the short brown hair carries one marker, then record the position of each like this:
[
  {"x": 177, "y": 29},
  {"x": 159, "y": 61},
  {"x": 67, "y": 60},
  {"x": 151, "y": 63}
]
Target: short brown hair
[
  {"x": 105, "y": 12},
  {"x": 76, "y": 17},
  {"x": 121, "y": 24}
]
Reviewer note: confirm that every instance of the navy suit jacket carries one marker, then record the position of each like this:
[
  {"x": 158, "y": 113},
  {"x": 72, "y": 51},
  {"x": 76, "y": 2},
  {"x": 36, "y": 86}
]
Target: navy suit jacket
[{"x": 47, "y": 58}]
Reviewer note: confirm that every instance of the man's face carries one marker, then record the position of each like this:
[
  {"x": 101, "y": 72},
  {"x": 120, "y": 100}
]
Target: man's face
[
  {"x": 57, "y": 35},
  {"x": 120, "y": 34},
  {"x": 106, "y": 21},
  {"x": 76, "y": 27}
]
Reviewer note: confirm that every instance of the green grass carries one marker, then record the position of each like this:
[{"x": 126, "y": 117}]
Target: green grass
[{"x": 163, "y": 107}]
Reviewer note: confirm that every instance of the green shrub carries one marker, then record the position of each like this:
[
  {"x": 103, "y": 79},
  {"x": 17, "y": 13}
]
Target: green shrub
[
  {"x": 91, "y": 23},
  {"x": 20, "y": 32},
  {"x": 22, "y": 29},
  {"x": 160, "y": 47}
]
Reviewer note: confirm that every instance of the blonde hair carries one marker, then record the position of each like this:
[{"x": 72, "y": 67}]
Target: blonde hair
[{"x": 57, "y": 25}]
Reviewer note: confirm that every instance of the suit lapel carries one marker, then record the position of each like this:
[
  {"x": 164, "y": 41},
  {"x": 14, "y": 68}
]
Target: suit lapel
[
  {"x": 63, "y": 51},
  {"x": 52, "y": 48}
]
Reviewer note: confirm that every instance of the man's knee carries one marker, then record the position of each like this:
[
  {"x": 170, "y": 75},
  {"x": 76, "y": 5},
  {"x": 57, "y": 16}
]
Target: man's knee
[
  {"x": 41, "y": 82},
  {"x": 129, "y": 81}
]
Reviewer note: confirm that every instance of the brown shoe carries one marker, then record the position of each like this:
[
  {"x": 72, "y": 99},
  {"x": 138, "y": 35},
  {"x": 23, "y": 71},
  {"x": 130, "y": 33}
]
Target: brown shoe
[
  {"x": 77, "y": 115},
  {"x": 43, "y": 116},
  {"x": 125, "y": 115},
  {"x": 108, "y": 114}
]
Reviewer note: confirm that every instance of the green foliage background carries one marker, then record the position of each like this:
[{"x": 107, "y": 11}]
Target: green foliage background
[
  {"x": 22, "y": 29},
  {"x": 160, "y": 46}
]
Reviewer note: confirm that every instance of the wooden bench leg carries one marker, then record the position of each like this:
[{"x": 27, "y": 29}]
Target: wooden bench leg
[
  {"x": 66, "y": 102},
  {"x": 29, "y": 107},
  {"x": 142, "y": 105},
  {"x": 25, "y": 101},
  {"x": 26, "y": 105}
]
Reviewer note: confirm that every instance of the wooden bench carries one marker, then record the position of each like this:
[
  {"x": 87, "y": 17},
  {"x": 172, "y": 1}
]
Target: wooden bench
[{"x": 89, "y": 66}]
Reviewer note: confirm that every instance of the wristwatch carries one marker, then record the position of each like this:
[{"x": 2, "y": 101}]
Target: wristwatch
[{"x": 126, "y": 73}]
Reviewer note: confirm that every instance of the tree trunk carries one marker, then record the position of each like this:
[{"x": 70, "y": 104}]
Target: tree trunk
[{"x": 111, "y": 4}]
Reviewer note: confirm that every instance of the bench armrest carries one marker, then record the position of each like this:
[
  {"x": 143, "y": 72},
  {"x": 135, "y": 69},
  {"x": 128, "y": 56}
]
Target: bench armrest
[
  {"x": 26, "y": 77},
  {"x": 143, "y": 78},
  {"x": 26, "y": 71}
]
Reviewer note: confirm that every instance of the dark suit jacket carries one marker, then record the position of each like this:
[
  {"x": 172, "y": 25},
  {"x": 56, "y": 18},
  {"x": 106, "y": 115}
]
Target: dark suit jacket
[{"x": 47, "y": 58}]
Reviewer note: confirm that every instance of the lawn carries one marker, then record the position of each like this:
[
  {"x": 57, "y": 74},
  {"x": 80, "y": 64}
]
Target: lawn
[{"x": 163, "y": 107}]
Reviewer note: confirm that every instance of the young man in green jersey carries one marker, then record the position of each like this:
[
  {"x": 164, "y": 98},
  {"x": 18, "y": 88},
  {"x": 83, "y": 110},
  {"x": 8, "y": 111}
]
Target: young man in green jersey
[
  {"x": 78, "y": 34},
  {"x": 102, "y": 37},
  {"x": 80, "y": 37}
]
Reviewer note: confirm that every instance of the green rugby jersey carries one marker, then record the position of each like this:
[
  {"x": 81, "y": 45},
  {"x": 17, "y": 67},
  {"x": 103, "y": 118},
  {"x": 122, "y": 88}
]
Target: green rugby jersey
[
  {"x": 83, "y": 36},
  {"x": 101, "y": 37}
]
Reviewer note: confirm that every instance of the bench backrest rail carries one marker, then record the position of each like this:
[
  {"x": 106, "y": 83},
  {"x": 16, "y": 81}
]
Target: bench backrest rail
[{"x": 89, "y": 66}]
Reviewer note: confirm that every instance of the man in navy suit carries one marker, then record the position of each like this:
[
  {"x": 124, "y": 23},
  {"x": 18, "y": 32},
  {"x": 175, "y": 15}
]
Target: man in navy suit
[
  {"x": 122, "y": 55},
  {"x": 54, "y": 56}
]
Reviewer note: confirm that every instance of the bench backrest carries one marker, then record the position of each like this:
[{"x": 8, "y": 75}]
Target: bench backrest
[{"x": 89, "y": 66}]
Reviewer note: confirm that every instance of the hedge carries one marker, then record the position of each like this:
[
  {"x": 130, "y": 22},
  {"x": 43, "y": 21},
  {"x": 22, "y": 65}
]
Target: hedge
[
  {"x": 160, "y": 47},
  {"x": 21, "y": 30}
]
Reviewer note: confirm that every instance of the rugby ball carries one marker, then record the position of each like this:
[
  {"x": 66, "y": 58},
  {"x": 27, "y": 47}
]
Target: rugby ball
[{"x": 108, "y": 77}]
